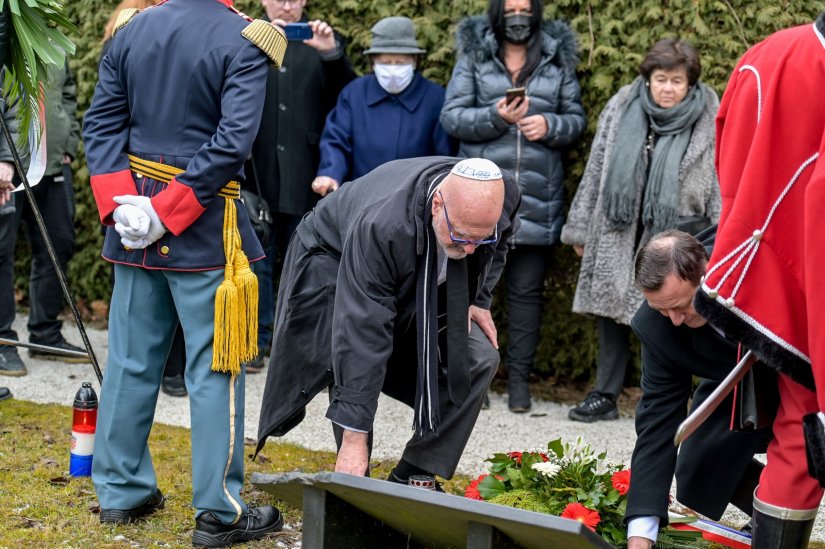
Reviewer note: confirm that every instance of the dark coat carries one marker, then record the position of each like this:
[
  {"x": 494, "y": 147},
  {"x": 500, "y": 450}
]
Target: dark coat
[
  {"x": 362, "y": 245},
  {"x": 298, "y": 97},
  {"x": 714, "y": 459},
  {"x": 370, "y": 126},
  {"x": 479, "y": 81}
]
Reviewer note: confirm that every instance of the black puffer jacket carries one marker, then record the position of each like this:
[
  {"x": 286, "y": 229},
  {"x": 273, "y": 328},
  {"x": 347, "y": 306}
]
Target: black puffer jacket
[{"x": 479, "y": 80}]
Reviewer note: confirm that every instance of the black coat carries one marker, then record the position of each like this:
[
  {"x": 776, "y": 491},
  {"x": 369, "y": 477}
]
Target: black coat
[
  {"x": 360, "y": 249},
  {"x": 298, "y": 97},
  {"x": 713, "y": 460}
]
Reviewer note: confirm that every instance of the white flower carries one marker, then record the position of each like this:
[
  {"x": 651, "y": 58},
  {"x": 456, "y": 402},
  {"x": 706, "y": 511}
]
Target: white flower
[
  {"x": 547, "y": 468},
  {"x": 604, "y": 466}
]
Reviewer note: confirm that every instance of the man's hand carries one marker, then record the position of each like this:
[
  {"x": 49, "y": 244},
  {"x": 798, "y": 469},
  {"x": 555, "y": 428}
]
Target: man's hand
[
  {"x": 353, "y": 457},
  {"x": 67, "y": 159},
  {"x": 484, "y": 320},
  {"x": 533, "y": 127},
  {"x": 323, "y": 39},
  {"x": 156, "y": 228},
  {"x": 6, "y": 186},
  {"x": 323, "y": 185},
  {"x": 131, "y": 222},
  {"x": 513, "y": 111},
  {"x": 579, "y": 249},
  {"x": 638, "y": 542}
]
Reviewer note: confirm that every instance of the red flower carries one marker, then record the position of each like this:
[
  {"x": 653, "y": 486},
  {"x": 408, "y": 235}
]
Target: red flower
[
  {"x": 516, "y": 456},
  {"x": 472, "y": 490},
  {"x": 621, "y": 481},
  {"x": 577, "y": 511},
  {"x": 544, "y": 456}
]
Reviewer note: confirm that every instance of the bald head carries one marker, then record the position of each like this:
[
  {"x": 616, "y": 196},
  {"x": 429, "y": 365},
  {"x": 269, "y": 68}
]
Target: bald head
[{"x": 473, "y": 203}]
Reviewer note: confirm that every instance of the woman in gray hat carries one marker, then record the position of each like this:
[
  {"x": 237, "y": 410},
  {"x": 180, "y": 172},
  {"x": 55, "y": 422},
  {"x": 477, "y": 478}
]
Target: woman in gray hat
[{"x": 389, "y": 114}]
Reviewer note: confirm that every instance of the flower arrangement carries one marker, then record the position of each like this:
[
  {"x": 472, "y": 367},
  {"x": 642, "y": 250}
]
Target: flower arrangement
[
  {"x": 568, "y": 480},
  {"x": 571, "y": 481}
]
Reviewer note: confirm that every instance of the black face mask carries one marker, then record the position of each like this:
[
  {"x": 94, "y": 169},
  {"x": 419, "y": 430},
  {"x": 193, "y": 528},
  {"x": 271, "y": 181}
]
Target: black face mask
[{"x": 517, "y": 28}]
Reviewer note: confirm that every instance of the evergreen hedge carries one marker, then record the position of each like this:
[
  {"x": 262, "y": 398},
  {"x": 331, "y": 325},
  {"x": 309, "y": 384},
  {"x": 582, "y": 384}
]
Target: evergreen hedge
[{"x": 613, "y": 38}]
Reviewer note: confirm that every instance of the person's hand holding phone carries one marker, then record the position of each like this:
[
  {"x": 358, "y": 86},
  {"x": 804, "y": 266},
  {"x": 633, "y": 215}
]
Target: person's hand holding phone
[
  {"x": 513, "y": 111},
  {"x": 323, "y": 39}
]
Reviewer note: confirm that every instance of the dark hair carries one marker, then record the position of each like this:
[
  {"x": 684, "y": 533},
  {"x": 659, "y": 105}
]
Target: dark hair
[
  {"x": 495, "y": 16},
  {"x": 670, "y": 252},
  {"x": 669, "y": 54}
]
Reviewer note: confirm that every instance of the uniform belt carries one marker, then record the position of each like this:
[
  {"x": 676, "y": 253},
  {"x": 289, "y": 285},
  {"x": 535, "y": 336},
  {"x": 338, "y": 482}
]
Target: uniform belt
[
  {"x": 236, "y": 300},
  {"x": 165, "y": 173}
]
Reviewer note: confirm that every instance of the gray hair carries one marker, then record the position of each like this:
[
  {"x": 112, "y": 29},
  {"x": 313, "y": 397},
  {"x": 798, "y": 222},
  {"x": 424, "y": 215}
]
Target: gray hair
[{"x": 669, "y": 252}]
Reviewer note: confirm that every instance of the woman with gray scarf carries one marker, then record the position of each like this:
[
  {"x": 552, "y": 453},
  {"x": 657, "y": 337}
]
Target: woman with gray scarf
[{"x": 650, "y": 168}]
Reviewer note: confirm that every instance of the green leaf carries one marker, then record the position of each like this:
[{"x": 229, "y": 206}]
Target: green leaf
[{"x": 490, "y": 487}]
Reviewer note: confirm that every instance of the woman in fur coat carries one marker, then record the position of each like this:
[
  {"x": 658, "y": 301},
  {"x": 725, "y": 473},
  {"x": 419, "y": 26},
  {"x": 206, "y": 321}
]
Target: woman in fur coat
[
  {"x": 650, "y": 168},
  {"x": 512, "y": 47}
]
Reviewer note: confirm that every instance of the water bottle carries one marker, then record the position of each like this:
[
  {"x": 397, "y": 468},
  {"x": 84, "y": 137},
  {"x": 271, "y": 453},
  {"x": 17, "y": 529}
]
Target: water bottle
[{"x": 84, "y": 419}]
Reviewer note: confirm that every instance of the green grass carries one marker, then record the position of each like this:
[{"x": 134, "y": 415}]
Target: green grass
[{"x": 42, "y": 506}]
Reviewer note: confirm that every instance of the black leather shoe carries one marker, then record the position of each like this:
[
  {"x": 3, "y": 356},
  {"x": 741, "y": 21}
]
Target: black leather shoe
[
  {"x": 10, "y": 362},
  {"x": 173, "y": 386},
  {"x": 4, "y": 393},
  {"x": 596, "y": 407},
  {"x": 256, "y": 365},
  {"x": 393, "y": 477},
  {"x": 126, "y": 516},
  {"x": 255, "y": 524}
]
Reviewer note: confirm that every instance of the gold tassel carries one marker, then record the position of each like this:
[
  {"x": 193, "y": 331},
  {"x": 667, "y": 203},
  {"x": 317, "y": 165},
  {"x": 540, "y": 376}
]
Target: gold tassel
[
  {"x": 230, "y": 340},
  {"x": 247, "y": 284}
]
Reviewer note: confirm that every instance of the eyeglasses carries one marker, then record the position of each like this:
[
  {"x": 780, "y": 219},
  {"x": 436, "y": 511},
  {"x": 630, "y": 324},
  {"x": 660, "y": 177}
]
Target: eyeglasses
[
  {"x": 489, "y": 240},
  {"x": 290, "y": 2}
]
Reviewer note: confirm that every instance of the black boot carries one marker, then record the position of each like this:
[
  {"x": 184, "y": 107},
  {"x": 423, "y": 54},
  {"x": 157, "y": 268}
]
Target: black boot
[
  {"x": 775, "y": 527},
  {"x": 518, "y": 388}
]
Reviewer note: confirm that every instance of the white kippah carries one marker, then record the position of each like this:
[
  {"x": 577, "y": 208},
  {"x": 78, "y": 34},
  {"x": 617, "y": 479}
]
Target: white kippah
[{"x": 480, "y": 169}]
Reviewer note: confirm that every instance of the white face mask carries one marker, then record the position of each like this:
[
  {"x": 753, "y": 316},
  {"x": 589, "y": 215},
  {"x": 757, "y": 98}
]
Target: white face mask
[{"x": 393, "y": 78}]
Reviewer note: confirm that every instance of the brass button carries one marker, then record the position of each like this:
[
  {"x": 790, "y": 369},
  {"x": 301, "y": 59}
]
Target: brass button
[
  {"x": 164, "y": 250},
  {"x": 127, "y": 248}
]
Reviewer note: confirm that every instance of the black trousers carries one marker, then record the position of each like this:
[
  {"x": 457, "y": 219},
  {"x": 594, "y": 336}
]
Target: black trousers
[
  {"x": 614, "y": 354},
  {"x": 55, "y": 200},
  {"x": 526, "y": 271}
]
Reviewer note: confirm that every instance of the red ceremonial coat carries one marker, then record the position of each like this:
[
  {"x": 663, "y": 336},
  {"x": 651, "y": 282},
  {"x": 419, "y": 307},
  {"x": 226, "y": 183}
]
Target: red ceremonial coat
[{"x": 765, "y": 283}]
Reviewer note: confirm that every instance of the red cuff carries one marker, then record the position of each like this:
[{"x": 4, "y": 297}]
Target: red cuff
[
  {"x": 106, "y": 186},
  {"x": 177, "y": 207}
]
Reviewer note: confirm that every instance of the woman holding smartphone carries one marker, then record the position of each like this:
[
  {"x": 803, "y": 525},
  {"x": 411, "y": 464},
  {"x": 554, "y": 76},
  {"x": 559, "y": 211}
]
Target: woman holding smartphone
[{"x": 512, "y": 47}]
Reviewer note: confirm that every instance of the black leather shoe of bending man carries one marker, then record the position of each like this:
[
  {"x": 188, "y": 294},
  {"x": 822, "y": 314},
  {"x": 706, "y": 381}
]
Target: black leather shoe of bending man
[
  {"x": 393, "y": 477},
  {"x": 255, "y": 524},
  {"x": 125, "y": 516}
]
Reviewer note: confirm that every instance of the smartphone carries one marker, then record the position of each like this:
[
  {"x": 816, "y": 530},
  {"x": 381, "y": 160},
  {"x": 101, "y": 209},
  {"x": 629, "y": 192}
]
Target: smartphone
[
  {"x": 298, "y": 31},
  {"x": 514, "y": 93}
]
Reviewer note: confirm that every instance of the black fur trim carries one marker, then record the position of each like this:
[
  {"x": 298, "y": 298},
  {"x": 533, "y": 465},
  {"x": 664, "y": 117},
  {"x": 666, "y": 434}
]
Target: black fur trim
[
  {"x": 815, "y": 446},
  {"x": 768, "y": 351},
  {"x": 474, "y": 39},
  {"x": 820, "y": 22}
]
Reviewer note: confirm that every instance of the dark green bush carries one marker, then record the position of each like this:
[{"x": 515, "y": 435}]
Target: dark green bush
[{"x": 613, "y": 37}]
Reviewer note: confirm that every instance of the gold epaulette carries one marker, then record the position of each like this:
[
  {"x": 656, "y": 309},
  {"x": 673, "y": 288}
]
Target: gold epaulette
[
  {"x": 269, "y": 38},
  {"x": 123, "y": 18}
]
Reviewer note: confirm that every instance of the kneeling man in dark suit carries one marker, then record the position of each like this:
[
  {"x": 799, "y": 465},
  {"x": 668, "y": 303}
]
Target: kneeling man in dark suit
[{"x": 715, "y": 466}]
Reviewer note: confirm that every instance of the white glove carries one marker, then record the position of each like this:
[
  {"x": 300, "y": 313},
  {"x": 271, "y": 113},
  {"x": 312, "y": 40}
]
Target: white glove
[
  {"x": 156, "y": 228},
  {"x": 131, "y": 221}
]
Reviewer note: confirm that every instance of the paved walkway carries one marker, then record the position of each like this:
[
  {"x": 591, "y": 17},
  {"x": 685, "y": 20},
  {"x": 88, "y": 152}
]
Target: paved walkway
[{"x": 497, "y": 430}]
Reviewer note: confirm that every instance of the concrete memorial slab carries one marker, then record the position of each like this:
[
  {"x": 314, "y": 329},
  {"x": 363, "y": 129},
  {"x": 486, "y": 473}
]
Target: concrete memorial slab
[{"x": 347, "y": 512}]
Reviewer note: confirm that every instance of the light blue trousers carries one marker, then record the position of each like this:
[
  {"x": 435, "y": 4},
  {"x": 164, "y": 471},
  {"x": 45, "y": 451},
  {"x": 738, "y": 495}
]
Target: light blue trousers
[{"x": 146, "y": 305}]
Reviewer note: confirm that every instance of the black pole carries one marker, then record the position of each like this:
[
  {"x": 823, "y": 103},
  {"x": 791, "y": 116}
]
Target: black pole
[{"x": 61, "y": 276}]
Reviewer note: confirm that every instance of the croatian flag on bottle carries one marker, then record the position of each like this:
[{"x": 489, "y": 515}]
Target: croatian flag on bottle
[{"x": 84, "y": 419}]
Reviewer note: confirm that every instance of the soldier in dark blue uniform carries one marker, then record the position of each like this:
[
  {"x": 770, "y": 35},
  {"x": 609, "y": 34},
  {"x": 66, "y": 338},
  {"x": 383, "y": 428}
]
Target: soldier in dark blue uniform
[{"x": 173, "y": 117}]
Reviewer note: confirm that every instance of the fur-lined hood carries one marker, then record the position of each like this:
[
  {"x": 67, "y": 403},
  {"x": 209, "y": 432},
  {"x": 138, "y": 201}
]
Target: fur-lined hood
[{"x": 474, "y": 39}]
